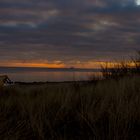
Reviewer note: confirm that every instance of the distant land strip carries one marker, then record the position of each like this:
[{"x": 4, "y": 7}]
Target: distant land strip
[{"x": 36, "y": 69}]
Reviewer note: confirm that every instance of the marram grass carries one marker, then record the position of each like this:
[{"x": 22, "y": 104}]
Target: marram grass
[{"x": 107, "y": 110}]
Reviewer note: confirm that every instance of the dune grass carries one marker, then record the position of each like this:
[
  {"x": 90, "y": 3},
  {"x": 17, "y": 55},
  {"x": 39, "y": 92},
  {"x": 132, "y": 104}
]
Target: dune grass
[
  {"x": 107, "y": 110},
  {"x": 122, "y": 69}
]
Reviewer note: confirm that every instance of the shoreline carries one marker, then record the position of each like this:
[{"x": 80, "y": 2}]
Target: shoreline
[{"x": 36, "y": 69}]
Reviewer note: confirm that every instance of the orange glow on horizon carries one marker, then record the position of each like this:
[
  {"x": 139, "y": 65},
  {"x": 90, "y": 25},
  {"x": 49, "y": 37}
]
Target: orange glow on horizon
[
  {"x": 89, "y": 64},
  {"x": 38, "y": 65}
]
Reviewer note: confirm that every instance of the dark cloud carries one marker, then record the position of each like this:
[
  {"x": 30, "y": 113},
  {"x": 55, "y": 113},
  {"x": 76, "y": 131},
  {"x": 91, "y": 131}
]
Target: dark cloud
[{"x": 68, "y": 30}]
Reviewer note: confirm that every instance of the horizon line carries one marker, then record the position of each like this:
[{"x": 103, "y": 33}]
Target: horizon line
[{"x": 45, "y": 67}]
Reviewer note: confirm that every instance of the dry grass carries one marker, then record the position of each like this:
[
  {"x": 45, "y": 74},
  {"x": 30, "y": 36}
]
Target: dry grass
[
  {"x": 109, "y": 110},
  {"x": 122, "y": 69}
]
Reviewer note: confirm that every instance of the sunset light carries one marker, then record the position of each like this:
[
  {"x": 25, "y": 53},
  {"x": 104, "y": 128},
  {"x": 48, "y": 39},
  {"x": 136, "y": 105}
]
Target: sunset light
[{"x": 69, "y": 69}]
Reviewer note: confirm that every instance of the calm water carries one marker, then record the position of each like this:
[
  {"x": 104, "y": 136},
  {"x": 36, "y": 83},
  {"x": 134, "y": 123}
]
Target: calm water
[{"x": 43, "y": 75}]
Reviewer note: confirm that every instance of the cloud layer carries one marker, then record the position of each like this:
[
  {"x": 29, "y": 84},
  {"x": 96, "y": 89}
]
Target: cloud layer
[{"x": 68, "y": 31}]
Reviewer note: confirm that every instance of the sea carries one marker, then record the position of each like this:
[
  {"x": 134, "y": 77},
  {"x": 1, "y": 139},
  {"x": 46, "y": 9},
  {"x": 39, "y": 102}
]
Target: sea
[{"x": 28, "y": 74}]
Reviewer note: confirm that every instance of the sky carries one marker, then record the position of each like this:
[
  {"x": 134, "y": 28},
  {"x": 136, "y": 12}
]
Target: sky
[{"x": 68, "y": 33}]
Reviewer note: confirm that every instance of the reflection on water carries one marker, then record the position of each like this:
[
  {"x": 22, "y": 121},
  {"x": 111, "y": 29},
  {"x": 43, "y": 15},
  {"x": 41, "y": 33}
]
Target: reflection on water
[{"x": 51, "y": 76}]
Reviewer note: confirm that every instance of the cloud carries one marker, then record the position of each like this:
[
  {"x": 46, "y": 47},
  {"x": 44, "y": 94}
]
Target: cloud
[{"x": 76, "y": 30}]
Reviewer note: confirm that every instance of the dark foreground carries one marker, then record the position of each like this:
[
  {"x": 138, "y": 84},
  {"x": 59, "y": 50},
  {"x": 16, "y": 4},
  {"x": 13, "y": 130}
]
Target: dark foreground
[{"x": 106, "y": 110}]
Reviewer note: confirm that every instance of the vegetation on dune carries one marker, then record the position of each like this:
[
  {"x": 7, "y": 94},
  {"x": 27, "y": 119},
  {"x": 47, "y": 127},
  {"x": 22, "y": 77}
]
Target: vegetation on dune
[
  {"x": 108, "y": 110},
  {"x": 122, "y": 69}
]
